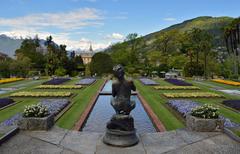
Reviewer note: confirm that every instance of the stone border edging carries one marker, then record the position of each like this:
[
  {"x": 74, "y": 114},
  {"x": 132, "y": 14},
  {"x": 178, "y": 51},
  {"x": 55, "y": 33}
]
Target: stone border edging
[
  {"x": 231, "y": 134},
  {"x": 8, "y": 135},
  {"x": 85, "y": 114},
  {"x": 156, "y": 122}
]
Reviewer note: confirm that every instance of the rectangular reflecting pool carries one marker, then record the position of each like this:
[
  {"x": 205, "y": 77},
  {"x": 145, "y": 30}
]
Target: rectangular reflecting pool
[{"x": 103, "y": 111}]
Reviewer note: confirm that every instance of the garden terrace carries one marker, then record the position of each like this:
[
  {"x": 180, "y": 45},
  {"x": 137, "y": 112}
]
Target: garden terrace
[
  {"x": 59, "y": 87},
  {"x": 56, "y": 81},
  {"x": 172, "y": 120},
  {"x": 176, "y": 88},
  {"x": 178, "y": 82},
  {"x": 235, "y": 104},
  {"x": 147, "y": 81},
  {"x": 5, "y": 102},
  {"x": 184, "y": 107},
  {"x": 54, "y": 107},
  {"x": 86, "y": 81}
]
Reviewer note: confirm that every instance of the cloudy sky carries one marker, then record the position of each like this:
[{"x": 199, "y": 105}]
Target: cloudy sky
[{"x": 76, "y": 23}]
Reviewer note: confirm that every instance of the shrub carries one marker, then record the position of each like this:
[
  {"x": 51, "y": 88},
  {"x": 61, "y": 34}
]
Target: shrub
[
  {"x": 206, "y": 111},
  {"x": 37, "y": 110},
  {"x": 60, "y": 71},
  {"x": 101, "y": 63},
  {"x": 193, "y": 69}
]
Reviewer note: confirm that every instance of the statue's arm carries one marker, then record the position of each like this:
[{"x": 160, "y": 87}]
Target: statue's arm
[
  {"x": 133, "y": 87},
  {"x": 114, "y": 92}
]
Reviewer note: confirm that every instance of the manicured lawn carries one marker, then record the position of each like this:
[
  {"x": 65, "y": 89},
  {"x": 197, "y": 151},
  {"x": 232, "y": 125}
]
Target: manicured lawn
[
  {"x": 30, "y": 84},
  {"x": 80, "y": 101},
  {"x": 1, "y": 135},
  {"x": 224, "y": 110},
  {"x": 157, "y": 104},
  {"x": 237, "y": 132},
  {"x": 19, "y": 107}
]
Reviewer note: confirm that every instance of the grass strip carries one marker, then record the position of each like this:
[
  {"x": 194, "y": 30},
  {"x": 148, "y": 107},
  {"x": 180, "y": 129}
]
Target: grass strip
[
  {"x": 157, "y": 103},
  {"x": 81, "y": 101}
]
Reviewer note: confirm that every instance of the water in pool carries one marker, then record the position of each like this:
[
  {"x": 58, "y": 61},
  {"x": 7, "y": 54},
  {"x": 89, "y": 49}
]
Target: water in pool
[{"x": 103, "y": 111}]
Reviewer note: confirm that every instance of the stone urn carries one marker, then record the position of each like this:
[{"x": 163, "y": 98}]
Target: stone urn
[
  {"x": 203, "y": 125},
  {"x": 36, "y": 123}
]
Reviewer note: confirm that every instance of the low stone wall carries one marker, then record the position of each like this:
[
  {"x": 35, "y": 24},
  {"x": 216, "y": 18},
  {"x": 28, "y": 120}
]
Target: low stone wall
[
  {"x": 203, "y": 125},
  {"x": 33, "y": 123}
]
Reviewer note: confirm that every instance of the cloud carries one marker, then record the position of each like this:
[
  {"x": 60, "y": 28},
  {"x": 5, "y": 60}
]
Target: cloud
[
  {"x": 169, "y": 19},
  {"x": 71, "y": 20},
  {"x": 115, "y": 36}
]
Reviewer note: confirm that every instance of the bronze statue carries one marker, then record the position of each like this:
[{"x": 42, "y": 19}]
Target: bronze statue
[
  {"x": 120, "y": 129},
  {"x": 121, "y": 92}
]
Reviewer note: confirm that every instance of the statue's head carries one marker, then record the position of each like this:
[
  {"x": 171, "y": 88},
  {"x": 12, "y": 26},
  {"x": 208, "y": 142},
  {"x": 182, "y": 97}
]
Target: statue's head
[{"x": 118, "y": 71}]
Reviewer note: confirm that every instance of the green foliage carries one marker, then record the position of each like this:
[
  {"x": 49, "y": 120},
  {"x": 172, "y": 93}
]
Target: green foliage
[
  {"x": 193, "y": 69},
  {"x": 101, "y": 64},
  {"x": 192, "y": 40},
  {"x": 60, "y": 71}
]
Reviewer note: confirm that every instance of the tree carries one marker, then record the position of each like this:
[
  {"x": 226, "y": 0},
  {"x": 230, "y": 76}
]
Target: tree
[
  {"x": 29, "y": 49},
  {"x": 201, "y": 42},
  {"x": 133, "y": 39},
  {"x": 232, "y": 41},
  {"x": 21, "y": 66},
  {"x": 101, "y": 63},
  {"x": 167, "y": 42}
]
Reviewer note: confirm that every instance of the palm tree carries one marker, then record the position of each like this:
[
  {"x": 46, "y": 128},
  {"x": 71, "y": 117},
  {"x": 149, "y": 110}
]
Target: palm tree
[{"x": 232, "y": 41}]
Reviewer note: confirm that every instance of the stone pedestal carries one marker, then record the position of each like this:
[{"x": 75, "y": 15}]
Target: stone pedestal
[
  {"x": 34, "y": 123},
  {"x": 203, "y": 125},
  {"x": 120, "y": 138}
]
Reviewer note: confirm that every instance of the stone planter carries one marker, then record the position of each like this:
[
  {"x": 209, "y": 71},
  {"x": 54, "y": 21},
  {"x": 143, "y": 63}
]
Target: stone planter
[
  {"x": 34, "y": 123},
  {"x": 204, "y": 125}
]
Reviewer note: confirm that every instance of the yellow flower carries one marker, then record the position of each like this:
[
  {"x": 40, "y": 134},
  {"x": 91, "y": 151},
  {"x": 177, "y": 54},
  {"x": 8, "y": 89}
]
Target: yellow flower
[
  {"x": 8, "y": 80},
  {"x": 227, "y": 82}
]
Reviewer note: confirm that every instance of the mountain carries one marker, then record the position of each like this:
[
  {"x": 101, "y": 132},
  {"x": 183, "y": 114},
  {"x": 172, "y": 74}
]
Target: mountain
[
  {"x": 214, "y": 25},
  {"x": 8, "y": 45}
]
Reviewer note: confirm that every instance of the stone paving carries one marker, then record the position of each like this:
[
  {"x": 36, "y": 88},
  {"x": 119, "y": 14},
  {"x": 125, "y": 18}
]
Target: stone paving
[{"x": 61, "y": 141}]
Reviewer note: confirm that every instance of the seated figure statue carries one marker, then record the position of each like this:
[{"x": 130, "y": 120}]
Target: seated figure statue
[
  {"x": 120, "y": 129},
  {"x": 121, "y": 92}
]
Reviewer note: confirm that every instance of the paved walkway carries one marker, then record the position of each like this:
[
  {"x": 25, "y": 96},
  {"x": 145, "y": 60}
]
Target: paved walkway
[{"x": 60, "y": 141}]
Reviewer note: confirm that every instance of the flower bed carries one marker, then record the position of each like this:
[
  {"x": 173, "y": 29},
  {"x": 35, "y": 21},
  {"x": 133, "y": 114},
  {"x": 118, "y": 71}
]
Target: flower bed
[
  {"x": 176, "y": 88},
  {"x": 184, "y": 107},
  {"x": 56, "y": 81},
  {"x": 192, "y": 95},
  {"x": 41, "y": 94},
  {"x": 233, "y": 104},
  {"x": 8, "y": 80},
  {"x": 54, "y": 107},
  {"x": 5, "y": 102},
  {"x": 178, "y": 82},
  {"x": 59, "y": 87},
  {"x": 86, "y": 81},
  {"x": 147, "y": 81},
  {"x": 228, "y": 82}
]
